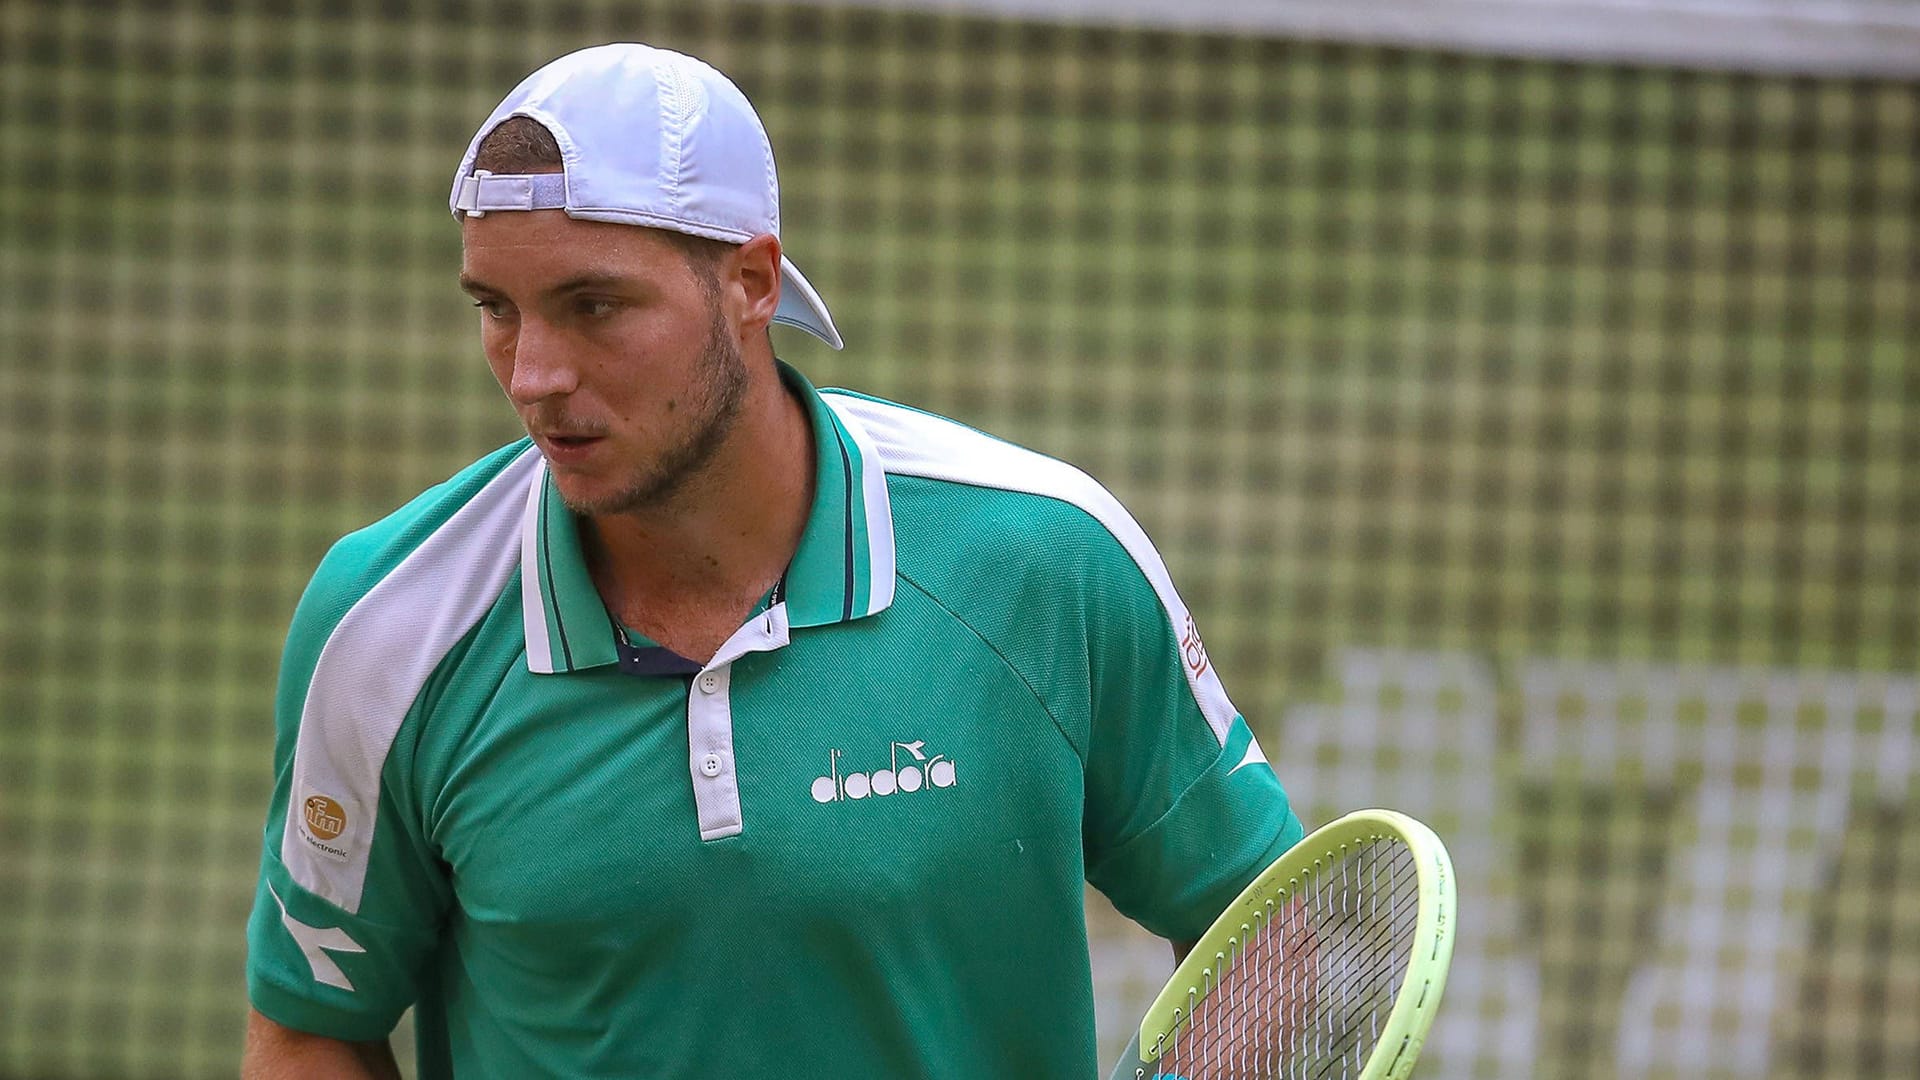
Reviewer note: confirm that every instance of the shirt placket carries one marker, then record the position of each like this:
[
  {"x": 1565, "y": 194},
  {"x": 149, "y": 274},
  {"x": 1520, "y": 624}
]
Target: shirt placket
[{"x": 711, "y": 759}]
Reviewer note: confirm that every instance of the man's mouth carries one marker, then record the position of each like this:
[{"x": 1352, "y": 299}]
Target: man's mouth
[{"x": 570, "y": 448}]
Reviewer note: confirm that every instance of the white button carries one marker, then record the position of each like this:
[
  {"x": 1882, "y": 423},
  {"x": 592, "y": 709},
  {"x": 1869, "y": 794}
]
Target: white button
[
  {"x": 709, "y": 682},
  {"x": 710, "y": 765}
]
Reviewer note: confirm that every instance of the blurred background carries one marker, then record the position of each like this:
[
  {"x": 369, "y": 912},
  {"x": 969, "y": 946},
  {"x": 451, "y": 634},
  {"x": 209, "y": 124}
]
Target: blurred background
[{"x": 1523, "y": 393}]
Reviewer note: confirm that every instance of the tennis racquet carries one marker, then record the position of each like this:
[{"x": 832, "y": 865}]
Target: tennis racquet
[{"x": 1329, "y": 966}]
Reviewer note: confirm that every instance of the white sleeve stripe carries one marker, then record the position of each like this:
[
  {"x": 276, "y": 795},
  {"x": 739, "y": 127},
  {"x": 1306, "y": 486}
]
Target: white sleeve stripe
[
  {"x": 914, "y": 443},
  {"x": 373, "y": 667}
]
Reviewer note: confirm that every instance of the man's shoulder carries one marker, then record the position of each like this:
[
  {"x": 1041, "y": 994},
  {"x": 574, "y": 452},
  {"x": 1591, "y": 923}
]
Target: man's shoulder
[
  {"x": 1026, "y": 549},
  {"x": 984, "y": 501},
  {"x": 425, "y": 543}
]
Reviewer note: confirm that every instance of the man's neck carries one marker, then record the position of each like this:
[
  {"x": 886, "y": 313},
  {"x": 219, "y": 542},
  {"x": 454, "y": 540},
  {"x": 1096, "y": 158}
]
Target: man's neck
[{"x": 687, "y": 572}]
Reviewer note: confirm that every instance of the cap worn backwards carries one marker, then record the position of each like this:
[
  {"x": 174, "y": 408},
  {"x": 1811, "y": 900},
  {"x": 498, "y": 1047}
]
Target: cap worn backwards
[{"x": 647, "y": 137}]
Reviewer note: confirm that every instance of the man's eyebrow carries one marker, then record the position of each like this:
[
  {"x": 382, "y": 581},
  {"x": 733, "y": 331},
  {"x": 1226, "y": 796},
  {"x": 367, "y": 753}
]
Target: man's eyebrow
[
  {"x": 472, "y": 284},
  {"x": 589, "y": 281}
]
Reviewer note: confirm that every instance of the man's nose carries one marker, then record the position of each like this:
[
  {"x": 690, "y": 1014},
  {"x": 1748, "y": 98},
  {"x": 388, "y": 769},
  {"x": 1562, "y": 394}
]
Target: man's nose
[{"x": 543, "y": 366}]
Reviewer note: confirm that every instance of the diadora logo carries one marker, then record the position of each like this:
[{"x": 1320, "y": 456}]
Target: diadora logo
[
  {"x": 1191, "y": 651},
  {"x": 919, "y": 771}
]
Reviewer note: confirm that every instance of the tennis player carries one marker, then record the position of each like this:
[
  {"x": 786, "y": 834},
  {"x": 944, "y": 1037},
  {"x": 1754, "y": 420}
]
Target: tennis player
[{"x": 724, "y": 727}]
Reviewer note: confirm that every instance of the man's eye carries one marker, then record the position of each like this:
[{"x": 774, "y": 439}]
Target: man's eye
[
  {"x": 494, "y": 309},
  {"x": 596, "y": 309}
]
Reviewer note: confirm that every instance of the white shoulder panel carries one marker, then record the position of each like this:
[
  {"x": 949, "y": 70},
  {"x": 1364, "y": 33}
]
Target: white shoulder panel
[
  {"x": 913, "y": 443},
  {"x": 373, "y": 667}
]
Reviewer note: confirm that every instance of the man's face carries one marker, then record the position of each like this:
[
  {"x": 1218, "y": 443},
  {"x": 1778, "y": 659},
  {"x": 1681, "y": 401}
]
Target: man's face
[{"x": 618, "y": 356}]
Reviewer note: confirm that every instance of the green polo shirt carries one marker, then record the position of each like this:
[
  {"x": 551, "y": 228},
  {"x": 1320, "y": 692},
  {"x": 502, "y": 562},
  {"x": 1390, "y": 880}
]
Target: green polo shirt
[{"x": 853, "y": 844}]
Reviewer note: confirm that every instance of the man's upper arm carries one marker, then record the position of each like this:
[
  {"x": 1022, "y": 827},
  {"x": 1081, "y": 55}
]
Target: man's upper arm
[
  {"x": 1183, "y": 808},
  {"x": 350, "y": 897},
  {"x": 277, "y": 1052}
]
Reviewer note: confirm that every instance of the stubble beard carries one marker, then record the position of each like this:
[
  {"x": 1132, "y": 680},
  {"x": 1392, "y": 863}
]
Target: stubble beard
[{"x": 720, "y": 396}]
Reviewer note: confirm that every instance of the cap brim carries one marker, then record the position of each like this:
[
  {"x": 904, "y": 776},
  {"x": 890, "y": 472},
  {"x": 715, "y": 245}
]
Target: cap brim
[{"x": 801, "y": 306}]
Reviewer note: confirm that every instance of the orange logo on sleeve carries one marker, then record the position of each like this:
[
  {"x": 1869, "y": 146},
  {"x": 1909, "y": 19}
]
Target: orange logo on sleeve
[{"x": 326, "y": 819}]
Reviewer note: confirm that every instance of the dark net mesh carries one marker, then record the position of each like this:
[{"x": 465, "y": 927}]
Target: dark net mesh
[{"x": 1538, "y": 444}]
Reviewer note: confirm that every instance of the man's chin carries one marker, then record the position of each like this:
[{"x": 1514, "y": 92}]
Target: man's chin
[{"x": 594, "y": 497}]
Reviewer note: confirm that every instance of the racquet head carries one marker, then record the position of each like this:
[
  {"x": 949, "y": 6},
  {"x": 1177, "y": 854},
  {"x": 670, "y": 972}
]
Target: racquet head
[{"x": 1329, "y": 966}]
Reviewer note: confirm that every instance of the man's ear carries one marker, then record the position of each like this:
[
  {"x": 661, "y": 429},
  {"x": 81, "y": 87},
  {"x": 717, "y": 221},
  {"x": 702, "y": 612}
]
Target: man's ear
[{"x": 753, "y": 281}]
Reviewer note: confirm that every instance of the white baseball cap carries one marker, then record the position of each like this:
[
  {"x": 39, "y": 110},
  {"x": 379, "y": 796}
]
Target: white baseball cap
[{"x": 647, "y": 137}]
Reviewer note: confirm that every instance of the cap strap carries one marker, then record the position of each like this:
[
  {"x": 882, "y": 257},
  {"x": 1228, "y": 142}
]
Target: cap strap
[{"x": 484, "y": 191}]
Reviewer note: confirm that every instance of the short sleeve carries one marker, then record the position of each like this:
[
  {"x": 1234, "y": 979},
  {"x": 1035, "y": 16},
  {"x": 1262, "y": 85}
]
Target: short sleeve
[
  {"x": 1183, "y": 808},
  {"x": 351, "y": 898}
]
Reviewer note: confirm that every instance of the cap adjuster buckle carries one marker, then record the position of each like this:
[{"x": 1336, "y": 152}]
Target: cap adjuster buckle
[{"x": 485, "y": 191}]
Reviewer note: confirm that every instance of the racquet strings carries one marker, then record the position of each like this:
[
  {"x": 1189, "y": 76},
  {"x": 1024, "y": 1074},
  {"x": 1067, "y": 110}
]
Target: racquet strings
[{"x": 1306, "y": 991}]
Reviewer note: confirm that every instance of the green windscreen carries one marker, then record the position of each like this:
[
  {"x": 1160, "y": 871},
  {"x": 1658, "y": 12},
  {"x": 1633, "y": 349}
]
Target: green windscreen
[{"x": 1537, "y": 443}]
